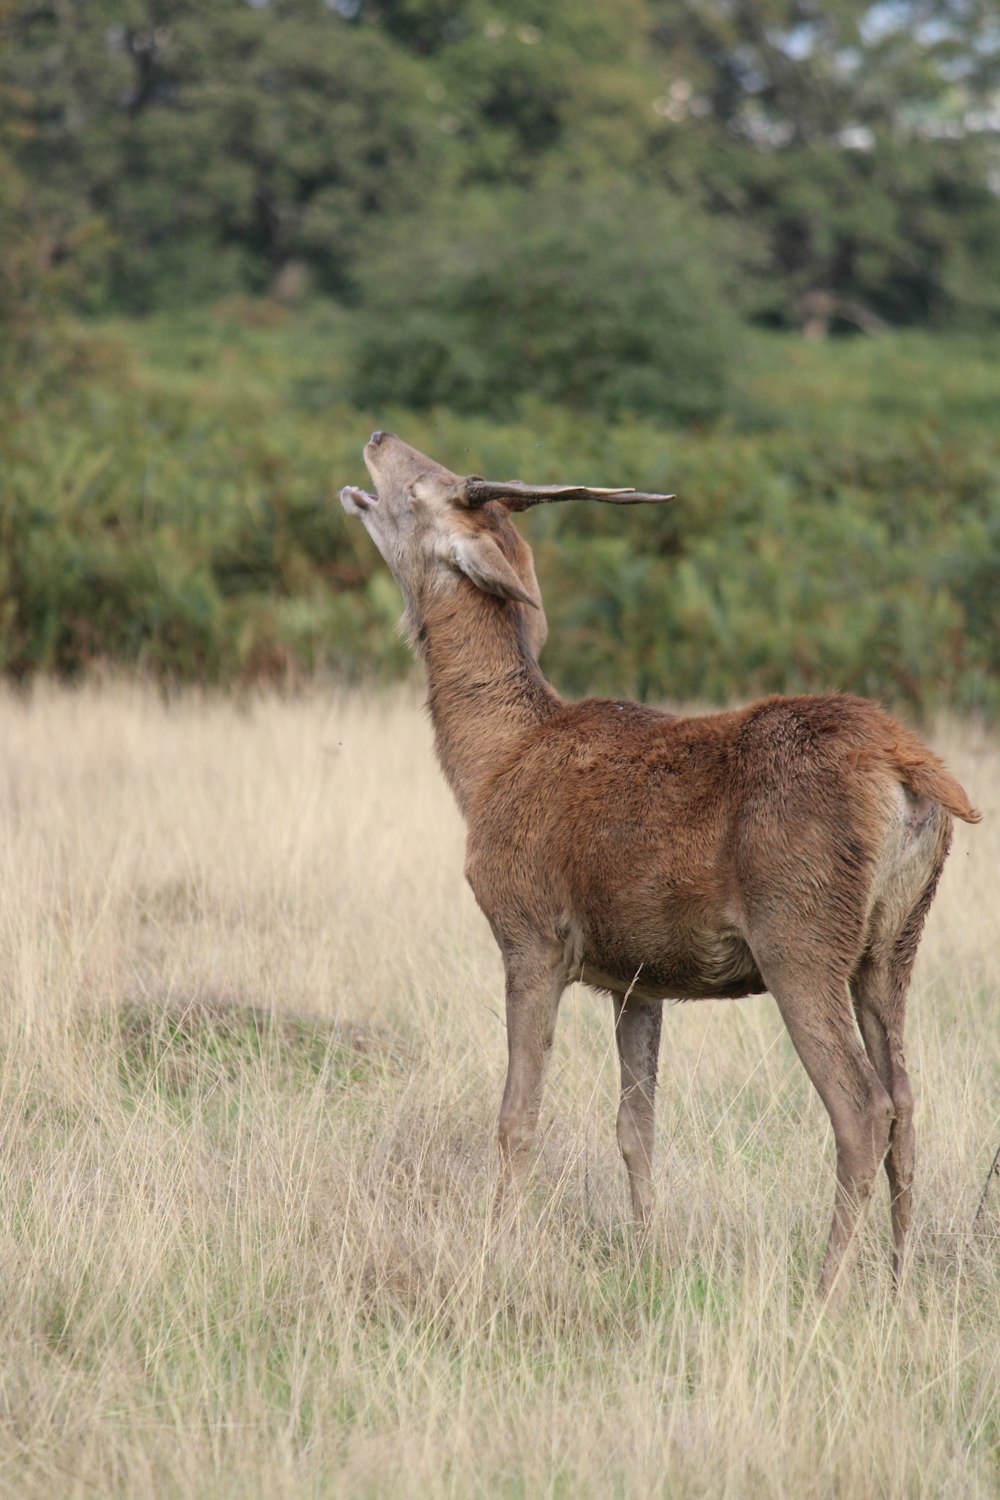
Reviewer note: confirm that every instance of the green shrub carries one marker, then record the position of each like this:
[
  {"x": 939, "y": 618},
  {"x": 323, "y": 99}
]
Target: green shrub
[
  {"x": 603, "y": 302},
  {"x": 172, "y": 505}
]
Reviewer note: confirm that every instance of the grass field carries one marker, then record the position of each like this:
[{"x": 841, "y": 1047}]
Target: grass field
[{"x": 253, "y": 1054}]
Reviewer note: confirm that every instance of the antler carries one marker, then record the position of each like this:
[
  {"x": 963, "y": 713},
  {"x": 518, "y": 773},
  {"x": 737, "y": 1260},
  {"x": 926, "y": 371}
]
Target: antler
[{"x": 517, "y": 496}]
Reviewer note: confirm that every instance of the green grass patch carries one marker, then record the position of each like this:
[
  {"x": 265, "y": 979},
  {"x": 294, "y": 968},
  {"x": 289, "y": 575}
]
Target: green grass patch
[{"x": 180, "y": 1051}]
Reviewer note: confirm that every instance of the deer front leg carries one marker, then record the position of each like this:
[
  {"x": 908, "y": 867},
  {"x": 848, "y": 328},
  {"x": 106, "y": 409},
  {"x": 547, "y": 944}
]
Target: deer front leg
[
  {"x": 637, "y": 1032},
  {"x": 535, "y": 982}
]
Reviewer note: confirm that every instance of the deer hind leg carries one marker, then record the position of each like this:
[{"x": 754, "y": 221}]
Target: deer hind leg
[
  {"x": 637, "y": 1032},
  {"x": 879, "y": 990},
  {"x": 817, "y": 1010},
  {"x": 535, "y": 982},
  {"x": 881, "y": 1026}
]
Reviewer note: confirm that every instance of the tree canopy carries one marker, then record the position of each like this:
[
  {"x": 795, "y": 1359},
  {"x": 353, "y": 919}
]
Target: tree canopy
[{"x": 798, "y": 164}]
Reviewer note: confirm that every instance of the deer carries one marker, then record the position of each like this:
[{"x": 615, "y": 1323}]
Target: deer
[{"x": 792, "y": 846}]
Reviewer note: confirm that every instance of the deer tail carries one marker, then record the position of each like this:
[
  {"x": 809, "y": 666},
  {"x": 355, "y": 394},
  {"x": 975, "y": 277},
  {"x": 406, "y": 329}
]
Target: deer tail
[{"x": 927, "y": 775}]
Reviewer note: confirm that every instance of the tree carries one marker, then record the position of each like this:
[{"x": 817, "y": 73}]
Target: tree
[
  {"x": 617, "y": 303},
  {"x": 177, "y": 151},
  {"x": 218, "y": 142},
  {"x": 861, "y": 138}
]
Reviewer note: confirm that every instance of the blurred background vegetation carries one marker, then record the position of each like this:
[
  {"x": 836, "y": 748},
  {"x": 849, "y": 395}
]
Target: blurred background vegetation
[{"x": 744, "y": 249}]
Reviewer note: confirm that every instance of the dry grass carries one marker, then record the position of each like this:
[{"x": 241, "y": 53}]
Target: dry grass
[{"x": 252, "y": 1061}]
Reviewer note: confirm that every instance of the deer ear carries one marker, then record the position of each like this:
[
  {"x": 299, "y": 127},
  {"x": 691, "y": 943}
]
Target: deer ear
[{"x": 480, "y": 559}]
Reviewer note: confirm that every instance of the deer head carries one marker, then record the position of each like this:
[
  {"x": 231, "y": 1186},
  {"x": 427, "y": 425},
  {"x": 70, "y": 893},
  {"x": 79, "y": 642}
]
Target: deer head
[{"x": 434, "y": 527}]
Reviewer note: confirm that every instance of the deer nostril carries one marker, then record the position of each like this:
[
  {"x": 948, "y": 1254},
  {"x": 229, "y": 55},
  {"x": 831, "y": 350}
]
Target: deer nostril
[{"x": 376, "y": 438}]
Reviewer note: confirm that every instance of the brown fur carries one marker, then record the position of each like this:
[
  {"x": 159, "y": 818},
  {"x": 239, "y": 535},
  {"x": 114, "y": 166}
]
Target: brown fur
[{"x": 793, "y": 845}]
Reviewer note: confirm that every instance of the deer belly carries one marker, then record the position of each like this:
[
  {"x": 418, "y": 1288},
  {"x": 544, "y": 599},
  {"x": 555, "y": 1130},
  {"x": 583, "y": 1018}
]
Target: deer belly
[{"x": 689, "y": 966}]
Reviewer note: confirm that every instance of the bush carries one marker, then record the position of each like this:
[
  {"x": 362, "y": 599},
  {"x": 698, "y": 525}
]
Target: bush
[
  {"x": 175, "y": 508},
  {"x": 613, "y": 303}
]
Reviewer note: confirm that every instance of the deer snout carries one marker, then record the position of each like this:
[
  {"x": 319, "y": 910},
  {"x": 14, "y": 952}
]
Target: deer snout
[{"x": 376, "y": 446}]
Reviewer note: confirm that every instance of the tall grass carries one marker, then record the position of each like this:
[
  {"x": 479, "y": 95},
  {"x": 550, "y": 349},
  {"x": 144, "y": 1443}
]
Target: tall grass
[{"x": 253, "y": 1052}]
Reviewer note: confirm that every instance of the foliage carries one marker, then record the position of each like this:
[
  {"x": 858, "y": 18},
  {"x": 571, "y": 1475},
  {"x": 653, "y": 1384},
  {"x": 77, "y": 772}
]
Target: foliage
[
  {"x": 180, "y": 152},
  {"x": 609, "y": 304},
  {"x": 175, "y": 508},
  {"x": 20, "y": 289},
  {"x": 860, "y": 139},
  {"x": 30, "y": 285},
  {"x": 218, "y": 145}
]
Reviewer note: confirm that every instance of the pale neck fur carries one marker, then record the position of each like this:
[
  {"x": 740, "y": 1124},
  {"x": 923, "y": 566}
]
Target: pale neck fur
[{"x": 485, "y": 688}]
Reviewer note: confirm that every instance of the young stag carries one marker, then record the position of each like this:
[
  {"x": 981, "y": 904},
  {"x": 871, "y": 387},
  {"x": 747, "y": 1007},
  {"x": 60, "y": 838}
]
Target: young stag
[{"x": 792, "y": 846}]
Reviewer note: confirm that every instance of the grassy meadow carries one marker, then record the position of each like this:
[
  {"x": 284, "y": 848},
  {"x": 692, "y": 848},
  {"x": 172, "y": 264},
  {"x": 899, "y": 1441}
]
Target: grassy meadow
[{"x": 253, "y": 1055}]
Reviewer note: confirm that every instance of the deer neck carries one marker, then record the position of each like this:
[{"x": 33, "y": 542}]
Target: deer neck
[{"x": 485, "y": 688}]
